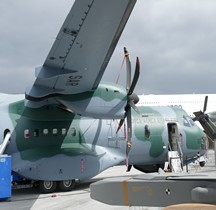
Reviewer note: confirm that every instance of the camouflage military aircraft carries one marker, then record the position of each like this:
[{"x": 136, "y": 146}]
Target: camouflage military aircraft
[{"x": 65, "y": 127}]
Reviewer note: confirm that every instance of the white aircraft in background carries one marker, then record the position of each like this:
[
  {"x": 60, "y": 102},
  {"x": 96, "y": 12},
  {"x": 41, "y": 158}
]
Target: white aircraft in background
[{"x": 189, "y": 102}]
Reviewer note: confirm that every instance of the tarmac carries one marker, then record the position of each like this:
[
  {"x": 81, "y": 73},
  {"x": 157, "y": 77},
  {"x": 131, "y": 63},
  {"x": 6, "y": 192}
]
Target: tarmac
[{"x": 79, "y": 198}]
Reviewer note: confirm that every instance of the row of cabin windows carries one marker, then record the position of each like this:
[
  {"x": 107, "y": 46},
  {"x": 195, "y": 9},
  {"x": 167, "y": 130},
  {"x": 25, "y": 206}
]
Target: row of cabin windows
[{"x": 55, "y": 132}]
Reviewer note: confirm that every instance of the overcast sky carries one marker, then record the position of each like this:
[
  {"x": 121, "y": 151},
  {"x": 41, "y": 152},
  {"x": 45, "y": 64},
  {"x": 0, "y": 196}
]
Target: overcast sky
[{"x": 174, "y": 39}]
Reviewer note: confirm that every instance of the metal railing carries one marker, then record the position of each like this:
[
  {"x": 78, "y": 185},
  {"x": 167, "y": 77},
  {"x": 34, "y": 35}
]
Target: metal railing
[{"x": 5, "y": 143}]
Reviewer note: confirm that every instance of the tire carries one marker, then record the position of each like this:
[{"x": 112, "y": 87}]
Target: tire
[
  {"x": 202, "y": 163},
  {"x": 47, "y": 186},
  {"x": 66, "y": 185}
]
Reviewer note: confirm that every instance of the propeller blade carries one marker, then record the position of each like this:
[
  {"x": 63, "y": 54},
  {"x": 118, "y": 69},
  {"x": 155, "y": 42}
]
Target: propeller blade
[
  {"x": 131, "y": 103},
  {"x": 129, "y": 131},
  {"x": 120, "y": 125},
  {"x": 128, "y": 69},
  {"x": 129, "y": 136},
  {"x": 136, "y": 77},
  {"x": 205, "y": 104}
]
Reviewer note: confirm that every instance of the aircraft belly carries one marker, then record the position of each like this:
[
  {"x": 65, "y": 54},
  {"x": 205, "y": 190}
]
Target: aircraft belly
[
  {"x": 59, "y": 167},
  {"x": 63, "y": 167}
]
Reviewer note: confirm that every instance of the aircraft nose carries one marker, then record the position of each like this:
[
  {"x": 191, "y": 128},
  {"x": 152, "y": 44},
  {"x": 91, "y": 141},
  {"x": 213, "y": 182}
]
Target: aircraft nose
[
  {"x": 196, "y": 140},
  {"x": 203, "y": 140}
]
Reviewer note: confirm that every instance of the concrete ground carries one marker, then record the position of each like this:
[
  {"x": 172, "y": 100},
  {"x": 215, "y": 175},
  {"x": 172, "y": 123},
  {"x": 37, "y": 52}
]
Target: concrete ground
[{"x": 25, "y": 199}]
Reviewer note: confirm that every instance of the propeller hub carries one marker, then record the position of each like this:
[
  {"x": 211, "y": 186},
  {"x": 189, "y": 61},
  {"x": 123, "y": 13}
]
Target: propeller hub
[{"x": 134, "y": 97}]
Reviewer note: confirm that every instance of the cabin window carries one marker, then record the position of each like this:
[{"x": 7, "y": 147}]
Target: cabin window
[
  {"x": 45, "y": 131},
  {"x": 73, "y": 131},
  {"x": 64, "y": 131},
  {"x": 55, "y": 131},
  {"x": 147, "y": 131},
  {"x": 191, "y": 121},
  {"x": 36, "y": 132},
  {"x": 187, "y": 121},
  {"x": 26, "y": 133}
]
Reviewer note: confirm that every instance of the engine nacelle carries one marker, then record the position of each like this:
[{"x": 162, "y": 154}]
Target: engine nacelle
[{"x": 107, "y": 101}]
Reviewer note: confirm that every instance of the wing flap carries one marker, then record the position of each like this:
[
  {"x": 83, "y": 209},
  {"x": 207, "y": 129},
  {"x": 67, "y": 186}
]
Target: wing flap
[{"x": 68, "y": 36}]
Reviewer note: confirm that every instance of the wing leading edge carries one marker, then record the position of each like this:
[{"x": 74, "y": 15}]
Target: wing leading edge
[{"x": 82, "y": 49}]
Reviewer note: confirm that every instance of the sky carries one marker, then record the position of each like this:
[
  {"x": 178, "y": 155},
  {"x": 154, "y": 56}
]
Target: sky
[{"x": 175, "y": 41}]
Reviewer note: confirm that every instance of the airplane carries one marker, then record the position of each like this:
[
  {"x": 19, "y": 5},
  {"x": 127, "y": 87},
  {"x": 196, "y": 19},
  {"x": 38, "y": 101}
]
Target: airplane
[
  {"x": 188, "y": 102},
  {"x": 181, "y": 190},
  {"x": 207, "y": 123},
  {"x": 71, "y": 126}
]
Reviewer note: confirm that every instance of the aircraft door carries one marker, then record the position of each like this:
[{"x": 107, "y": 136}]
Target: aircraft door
[
  {"x": 173, "y": 136},
  {"x": 115, "y": 140}
]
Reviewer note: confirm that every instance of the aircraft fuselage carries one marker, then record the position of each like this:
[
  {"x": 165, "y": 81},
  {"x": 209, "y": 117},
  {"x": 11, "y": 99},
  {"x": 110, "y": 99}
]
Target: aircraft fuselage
[{"x": 49, "y": 143}]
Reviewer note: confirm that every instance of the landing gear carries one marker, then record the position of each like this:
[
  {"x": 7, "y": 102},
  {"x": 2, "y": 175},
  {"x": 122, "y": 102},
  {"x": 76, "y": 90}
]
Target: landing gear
[
  {"x": 62, "y": 186},
  {"x": 66, "y": 185},
  {"x": 47, "y": 186},
  {"x": 202, "y": 161}
]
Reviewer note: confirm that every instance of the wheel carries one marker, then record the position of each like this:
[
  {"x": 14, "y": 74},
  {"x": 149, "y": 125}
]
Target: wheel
[
  {"x": 47, "y": 186},
  {"x": 202, "y": 163},
  {"x": 66, "y": 185}
]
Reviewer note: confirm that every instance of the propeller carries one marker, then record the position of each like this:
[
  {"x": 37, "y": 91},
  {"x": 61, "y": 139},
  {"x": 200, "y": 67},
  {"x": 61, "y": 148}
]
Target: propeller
[
  {"x": 201, "y": 114},
  {"x": 205, "y": 104},
  {"x": 132, "y": 99},
  {"x": 207, "y": 124}
]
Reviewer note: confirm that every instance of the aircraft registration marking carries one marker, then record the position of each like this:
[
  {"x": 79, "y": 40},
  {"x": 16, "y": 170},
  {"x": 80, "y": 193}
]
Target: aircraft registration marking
[
  {"x": 73, "y": 80},
  {"x": 150, "y": 120}
]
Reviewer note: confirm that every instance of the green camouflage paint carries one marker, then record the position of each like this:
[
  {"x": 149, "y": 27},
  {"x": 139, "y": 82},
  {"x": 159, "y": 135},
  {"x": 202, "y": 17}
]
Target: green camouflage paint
[
  {"x": 156, "y": 127},
  {"x": 40, "y": 145}
]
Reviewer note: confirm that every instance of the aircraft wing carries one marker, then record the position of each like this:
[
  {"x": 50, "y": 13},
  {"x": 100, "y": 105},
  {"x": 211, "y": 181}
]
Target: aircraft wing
[{"x": 82, "y": 49}]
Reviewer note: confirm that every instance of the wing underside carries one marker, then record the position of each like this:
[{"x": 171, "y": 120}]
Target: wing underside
[{"x": 82, "y": 49}]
